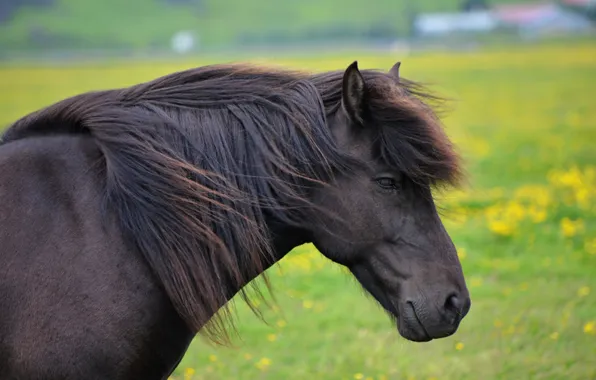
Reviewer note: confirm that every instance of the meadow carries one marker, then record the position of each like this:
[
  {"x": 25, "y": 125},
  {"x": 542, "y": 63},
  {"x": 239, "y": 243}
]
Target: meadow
[{"x": 524, "y": 119}]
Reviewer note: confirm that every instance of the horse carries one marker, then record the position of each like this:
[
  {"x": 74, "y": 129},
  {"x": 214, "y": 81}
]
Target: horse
[{"x": 132, "y": 216}]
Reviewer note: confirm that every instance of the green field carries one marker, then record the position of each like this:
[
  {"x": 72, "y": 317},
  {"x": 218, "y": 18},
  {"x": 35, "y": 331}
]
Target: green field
[{"x": 525, "y": 227}]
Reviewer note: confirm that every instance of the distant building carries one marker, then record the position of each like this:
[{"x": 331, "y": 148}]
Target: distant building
[
  {"x": 428, "y": 24},
  {"x": 580, "y": 3},
  {"x": 585, "y": 7},
  {"x": 519, "y": 14},
  {"x": 527, "y": 19},
  {"x": 542, "y": 18}
]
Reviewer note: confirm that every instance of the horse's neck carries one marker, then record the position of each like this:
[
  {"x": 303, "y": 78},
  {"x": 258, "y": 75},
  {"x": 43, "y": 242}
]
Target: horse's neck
[{"x": 284, "y": 239}]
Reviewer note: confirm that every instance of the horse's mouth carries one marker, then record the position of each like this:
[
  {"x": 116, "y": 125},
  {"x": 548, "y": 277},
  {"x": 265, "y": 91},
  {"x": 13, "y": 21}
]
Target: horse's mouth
[
  {"x": 416, "y": 319},
  {"x": 409, "y": 325}
]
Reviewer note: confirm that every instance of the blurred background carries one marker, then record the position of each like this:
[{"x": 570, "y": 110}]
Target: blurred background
[
  {"x": 520, "y": 77},
  {"x": 73, "y": 28}
]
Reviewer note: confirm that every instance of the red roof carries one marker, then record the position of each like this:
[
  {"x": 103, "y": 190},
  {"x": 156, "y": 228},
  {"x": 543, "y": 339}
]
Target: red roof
[
  {"x": 520, "y": 13},
  {"x": 582, "y": 3}
]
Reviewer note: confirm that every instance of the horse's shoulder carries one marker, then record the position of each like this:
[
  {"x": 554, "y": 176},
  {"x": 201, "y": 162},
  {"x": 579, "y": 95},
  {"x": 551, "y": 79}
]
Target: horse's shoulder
[
  {"x": 94, "y": 309},
  {"x": 47, "y": 174},
  {"x": 47, "y": 157}
]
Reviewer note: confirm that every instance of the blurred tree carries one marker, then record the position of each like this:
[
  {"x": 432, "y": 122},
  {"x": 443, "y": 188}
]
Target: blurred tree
[
  {"x": 474, "y": 5},
  {"x": 9, "y": 7},
  {"x": 586, "y": 8},
  {"x": 197, "y": 3},
  {"x": 411, "y": 13}
]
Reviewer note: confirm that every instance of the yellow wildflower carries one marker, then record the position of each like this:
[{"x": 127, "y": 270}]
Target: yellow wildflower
[
  {"x": 582, "y": 195},
  {"x": 212, "y": 358},
  {"x": 263, "y": 363},
  {"x": 536, "y": 214},
  {"x": 590, "y": 327},
  {"x": 571, "y": 178},
  {"x": 515, "y": 211},
  {"x": 281, "y": 323},
  {"x": 583, "y": 291},
  {"x": 478, "y": 146},
  {"x": 271, "y": 337},
  {"x": 358, "y": 376},
  {"x": 500, "y": 227},
  {"x": 590, "y": 246},
  {"x": 536, "y": 194},
  {"x": 459, "y": 346},
  {"x": 188, "y": 373},
  {"x": 461, "y": 253},
  {"x": 571, "y": 228}
]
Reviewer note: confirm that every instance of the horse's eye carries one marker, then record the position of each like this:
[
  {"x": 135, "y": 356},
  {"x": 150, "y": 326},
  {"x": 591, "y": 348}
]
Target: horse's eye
[{"x": 387, "y": 183}]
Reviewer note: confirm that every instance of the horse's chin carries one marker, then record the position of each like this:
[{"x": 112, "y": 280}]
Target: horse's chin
[
  {"x": 413, "y": 334},
  {"x": 410, "y": 327}
]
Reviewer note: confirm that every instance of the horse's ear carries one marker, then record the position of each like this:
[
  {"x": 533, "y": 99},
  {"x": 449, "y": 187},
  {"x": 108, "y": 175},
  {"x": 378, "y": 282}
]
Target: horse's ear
[
  {"x": 395, "y": 70},
  {"x": 353, "y": 93}
]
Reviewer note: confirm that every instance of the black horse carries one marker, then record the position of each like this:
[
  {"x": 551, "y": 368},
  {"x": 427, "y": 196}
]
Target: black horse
[{"x": 130, "y": 217}]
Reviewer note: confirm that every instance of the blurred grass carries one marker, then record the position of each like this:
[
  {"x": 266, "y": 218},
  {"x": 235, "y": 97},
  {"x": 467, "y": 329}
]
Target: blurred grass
[
  {"x": 143, "y": 24},
  {"x": 525, "y": 228}
]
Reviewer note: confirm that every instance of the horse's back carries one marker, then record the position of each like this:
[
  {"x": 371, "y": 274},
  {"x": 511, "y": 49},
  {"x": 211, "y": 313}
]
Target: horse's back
[{"x": 74, "y": 301}]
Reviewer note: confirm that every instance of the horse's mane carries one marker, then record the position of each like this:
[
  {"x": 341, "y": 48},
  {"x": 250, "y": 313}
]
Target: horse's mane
[{"x": 196, "y": 161}]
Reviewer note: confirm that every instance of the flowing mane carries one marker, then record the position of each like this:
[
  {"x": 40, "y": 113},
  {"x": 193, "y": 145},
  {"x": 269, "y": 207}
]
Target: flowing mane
[{"x": 195, "y": 161}]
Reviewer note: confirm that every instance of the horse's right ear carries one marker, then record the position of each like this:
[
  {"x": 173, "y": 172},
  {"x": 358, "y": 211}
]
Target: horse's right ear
[
  {"x": 394, "y": 71},
  {"x": 353, "y": 93}
]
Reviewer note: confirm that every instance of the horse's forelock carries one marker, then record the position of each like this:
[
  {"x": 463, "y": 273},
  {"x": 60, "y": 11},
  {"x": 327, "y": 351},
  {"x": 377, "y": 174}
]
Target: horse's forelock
[{"x": 410, "y": 137}]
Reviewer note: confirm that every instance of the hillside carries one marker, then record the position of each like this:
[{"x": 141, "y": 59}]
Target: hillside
[{"x": 142, "y": 24}]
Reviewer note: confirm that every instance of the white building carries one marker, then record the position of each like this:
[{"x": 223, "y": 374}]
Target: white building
[{"x": 444, "y": 23}]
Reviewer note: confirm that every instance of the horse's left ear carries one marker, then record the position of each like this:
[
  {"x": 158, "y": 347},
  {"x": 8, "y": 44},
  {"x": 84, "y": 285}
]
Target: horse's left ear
[
  {"x": 394, "y": 71},
  {"x": 353, "y": 93}
]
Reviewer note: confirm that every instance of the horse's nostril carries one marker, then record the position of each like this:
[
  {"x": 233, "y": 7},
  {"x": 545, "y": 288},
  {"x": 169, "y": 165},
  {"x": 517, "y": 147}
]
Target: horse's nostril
[
  {"x": 453, "y": 303},
  {"x": 456, "y": 307},
  {"x": 453, "y": 308}
]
